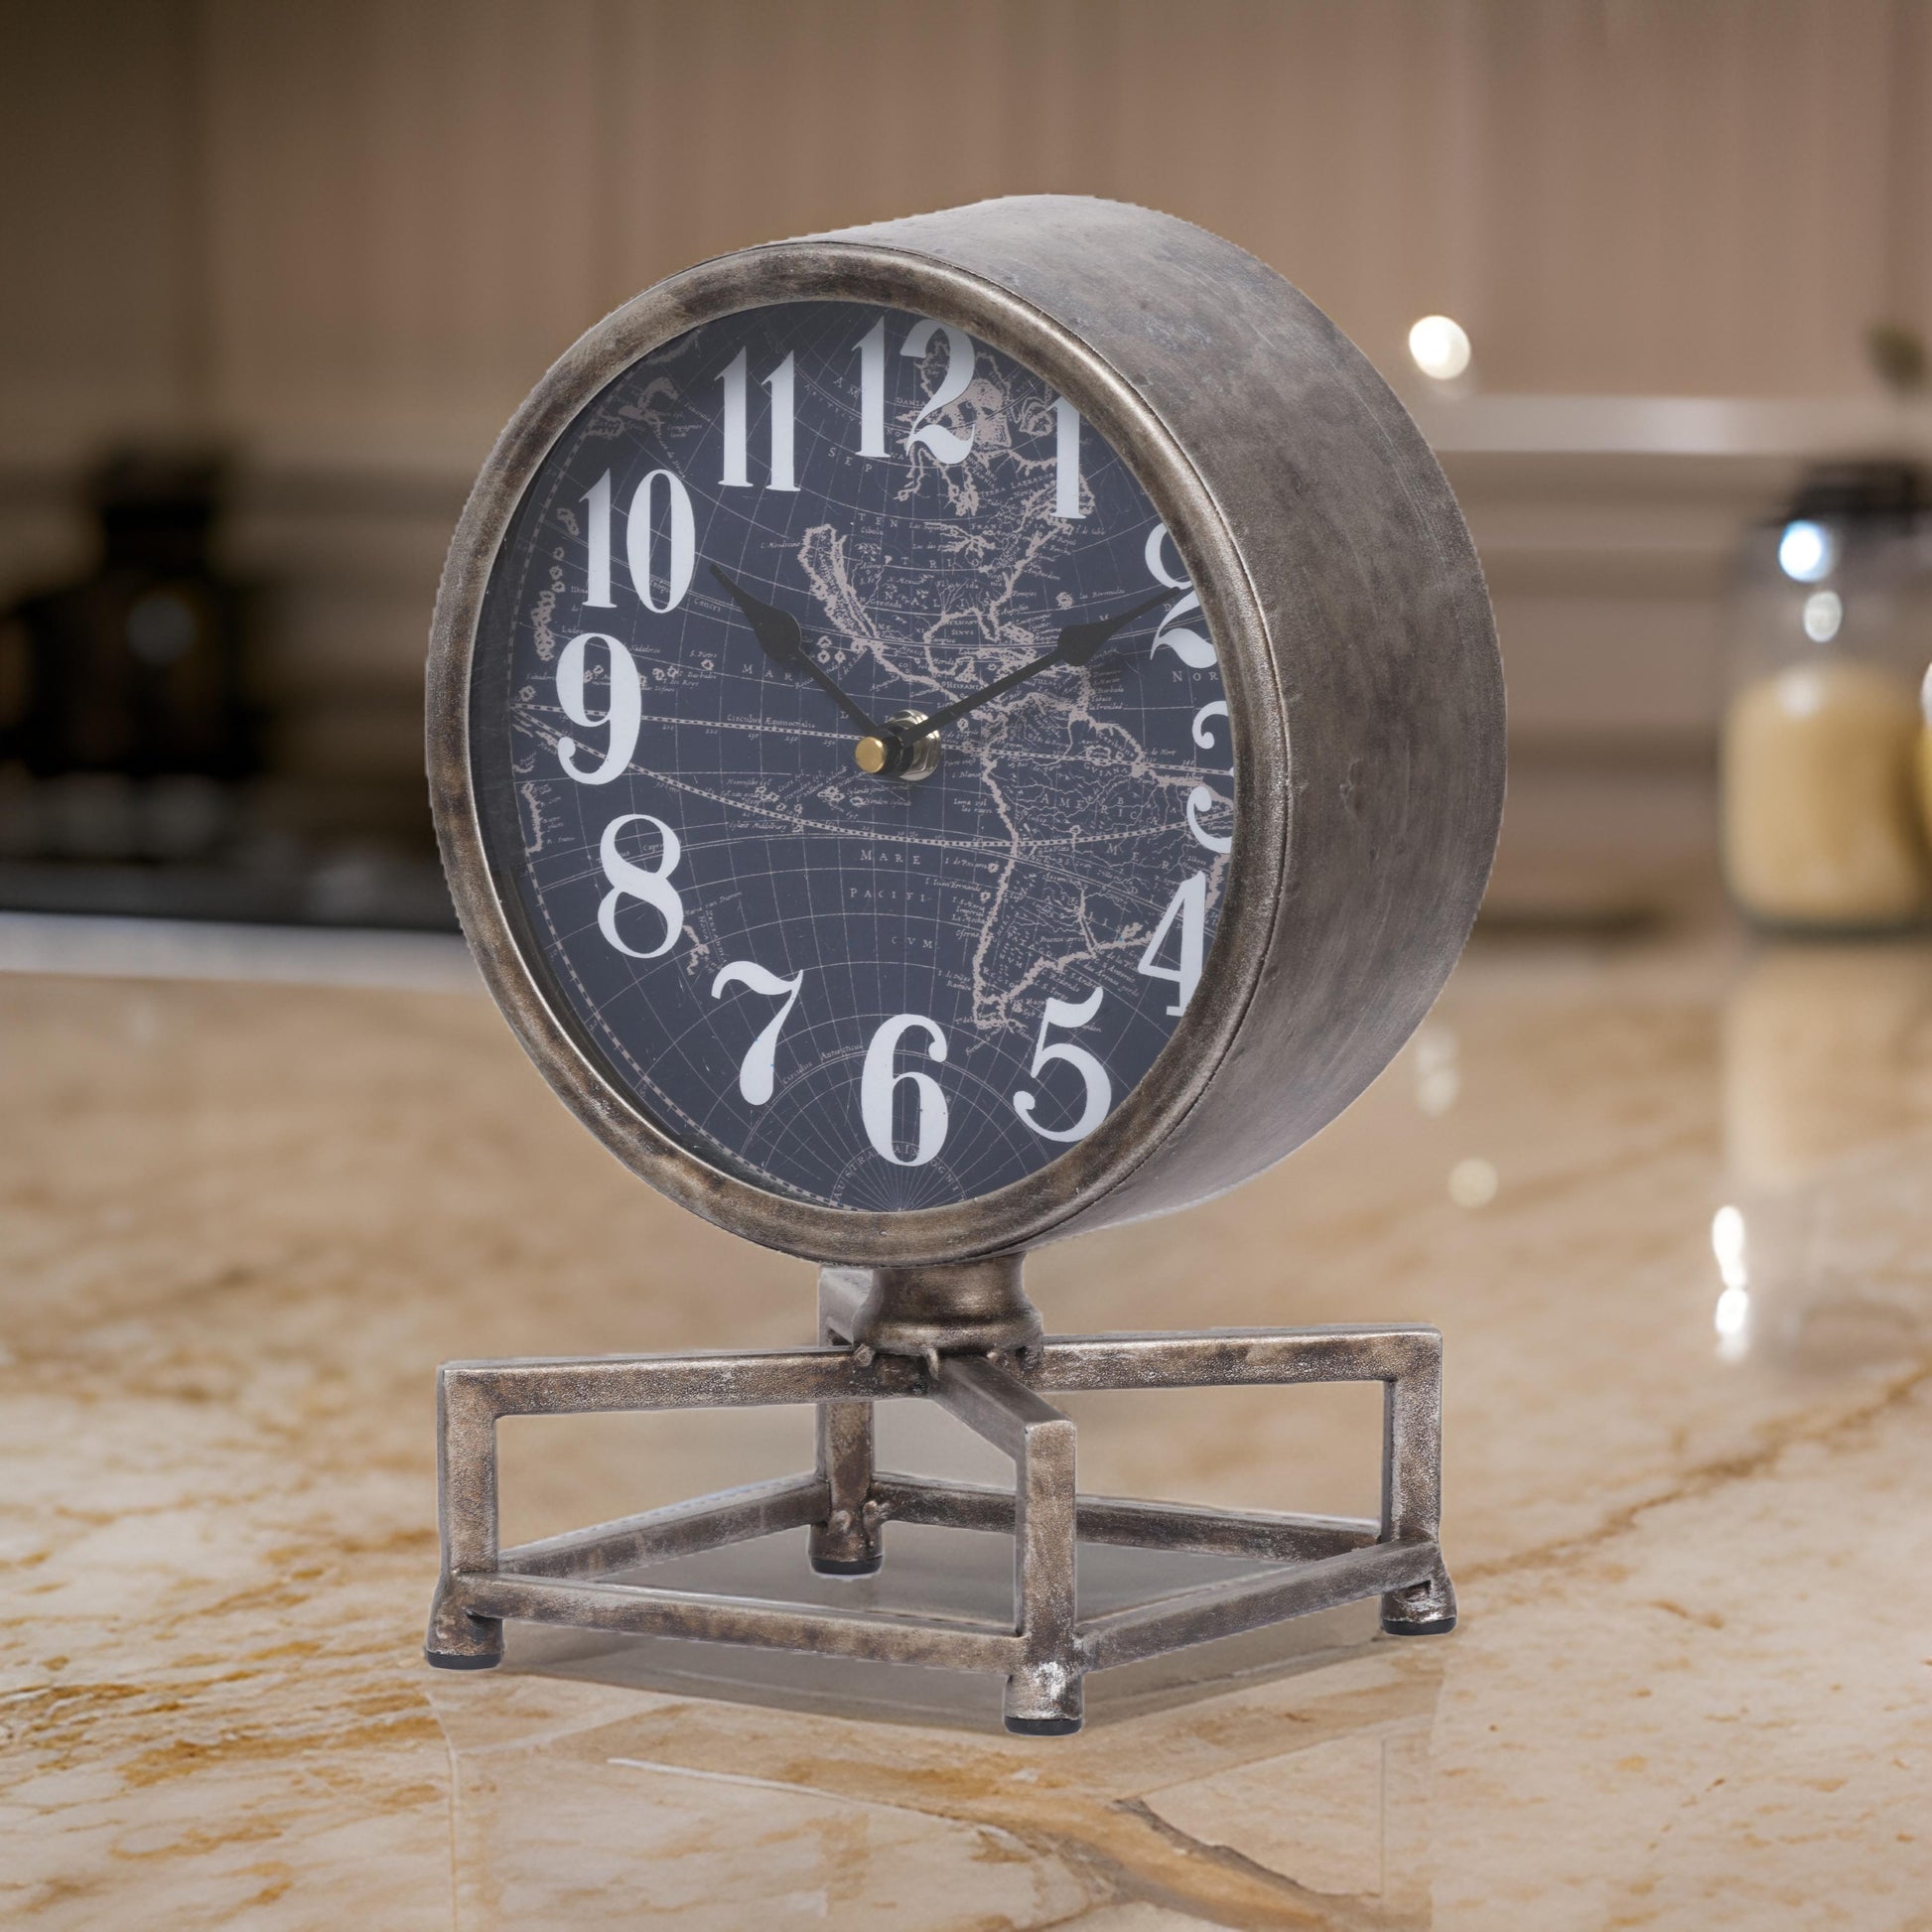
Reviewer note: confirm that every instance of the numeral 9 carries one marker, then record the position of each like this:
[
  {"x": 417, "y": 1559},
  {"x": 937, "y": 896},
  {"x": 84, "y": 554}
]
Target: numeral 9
[{"x": 622, "y": 711}]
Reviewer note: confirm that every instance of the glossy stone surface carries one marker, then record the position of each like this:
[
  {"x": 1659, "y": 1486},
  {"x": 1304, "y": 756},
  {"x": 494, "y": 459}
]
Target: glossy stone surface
[{"x": 240, "y": 1223}]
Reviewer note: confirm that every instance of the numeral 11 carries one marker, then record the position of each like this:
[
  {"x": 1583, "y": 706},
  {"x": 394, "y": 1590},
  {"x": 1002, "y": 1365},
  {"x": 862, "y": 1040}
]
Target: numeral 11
[{"x": 736, "y": 471}]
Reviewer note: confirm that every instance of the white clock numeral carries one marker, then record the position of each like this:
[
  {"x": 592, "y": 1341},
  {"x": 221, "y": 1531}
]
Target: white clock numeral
[
  {"x": 879, "y": 1085},
  {"x": 1188, "y": 907},
  {"x": 640, "y": 544},
  {"x": 736, "y": 474},
  {"x": 945, "y": 444},
  {"x": 632, "y": 881},
  {"x": 1066, "y": 459},
  {"x": 1193, "y": 651},
  {"x": 759, "y": 1073},
  {"x": 780, "y": 383},
  {"x": 1201, "y": 801},
  {"x": 623, "y": 710},
  {"x": 942, "y": 442},
  {"x": 872, "y": 390},
  {"x": 1099, "y": 1088},
  {"x": 597, "y": 543}
]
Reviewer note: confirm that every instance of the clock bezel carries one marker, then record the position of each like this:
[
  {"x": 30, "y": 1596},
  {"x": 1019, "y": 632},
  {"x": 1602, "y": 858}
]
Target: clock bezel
[{"x": 1024, "y": 1213}]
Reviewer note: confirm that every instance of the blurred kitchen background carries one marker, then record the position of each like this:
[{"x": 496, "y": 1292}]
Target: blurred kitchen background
[{"x": 272, "y": 276}]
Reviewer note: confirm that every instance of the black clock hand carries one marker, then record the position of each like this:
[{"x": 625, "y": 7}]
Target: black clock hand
[
  {"x": 1077, "y": 643},
  {"x": 784, "y": 642}
]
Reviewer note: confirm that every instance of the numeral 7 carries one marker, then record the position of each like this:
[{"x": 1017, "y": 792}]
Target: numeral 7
[{"x": 758, "y": 1074}]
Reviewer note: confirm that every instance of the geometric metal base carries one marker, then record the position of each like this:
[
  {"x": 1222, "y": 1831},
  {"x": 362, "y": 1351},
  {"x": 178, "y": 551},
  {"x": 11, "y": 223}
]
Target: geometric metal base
[{"x": 1046, "y": 1650}]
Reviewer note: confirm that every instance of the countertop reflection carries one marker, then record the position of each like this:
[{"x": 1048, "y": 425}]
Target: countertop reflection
[{"x": 1666, "y": 1201}]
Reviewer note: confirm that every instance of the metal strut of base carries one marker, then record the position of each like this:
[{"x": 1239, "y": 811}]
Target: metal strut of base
[{"x": 846, "y": 1503}]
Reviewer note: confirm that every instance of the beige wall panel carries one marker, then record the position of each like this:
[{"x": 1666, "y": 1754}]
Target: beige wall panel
[
  {"x": 1685, "y": 195},
  {"x": 398, "y": 193},
  {"x": 96, "y": 255}
]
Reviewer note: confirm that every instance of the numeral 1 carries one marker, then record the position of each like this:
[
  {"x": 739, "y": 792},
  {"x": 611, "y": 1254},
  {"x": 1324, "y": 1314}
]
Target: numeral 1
[
  {"x": 596, "y": 542},
  {"x": 872, "y": 390},
  {"x": 1066, "y": 459},
  {"x": 736, "y": 474}
]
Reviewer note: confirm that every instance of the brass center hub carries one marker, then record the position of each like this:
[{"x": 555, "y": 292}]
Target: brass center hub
[{"x": 893, "y": 755}]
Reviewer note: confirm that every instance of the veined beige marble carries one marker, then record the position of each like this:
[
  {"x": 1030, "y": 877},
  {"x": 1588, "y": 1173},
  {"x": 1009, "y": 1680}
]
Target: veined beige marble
[{"x": 240, "y": 1226}]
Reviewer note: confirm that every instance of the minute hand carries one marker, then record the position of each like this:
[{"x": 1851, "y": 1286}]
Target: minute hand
[{"x": 1076, "y": 643}]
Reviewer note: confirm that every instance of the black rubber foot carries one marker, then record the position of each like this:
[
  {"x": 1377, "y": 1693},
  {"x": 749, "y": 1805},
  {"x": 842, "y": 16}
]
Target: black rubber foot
[
  {"x": 1042, "y": 1727},
  {"x": 838, "y": 1566},
  {"x": 1439, "y": 1626},
  {"x": 457, "y": 1660}
]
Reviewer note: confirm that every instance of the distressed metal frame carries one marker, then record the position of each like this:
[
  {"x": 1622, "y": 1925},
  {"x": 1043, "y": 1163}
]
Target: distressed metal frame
[
  {"x": 1357, "y": 652},
  {"x": 1365, "y": 702},
  {"x": 1047, "y": 1650}
]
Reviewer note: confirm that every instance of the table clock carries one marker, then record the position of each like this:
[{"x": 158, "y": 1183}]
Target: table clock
[{"x": 945, "y": 735}]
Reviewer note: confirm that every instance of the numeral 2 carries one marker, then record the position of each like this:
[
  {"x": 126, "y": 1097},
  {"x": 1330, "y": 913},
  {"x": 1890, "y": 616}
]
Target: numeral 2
[{"x": 1193, "y": 651}]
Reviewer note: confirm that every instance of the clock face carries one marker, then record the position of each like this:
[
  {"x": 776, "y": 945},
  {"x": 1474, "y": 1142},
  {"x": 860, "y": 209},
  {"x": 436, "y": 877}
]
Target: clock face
[{"x": 855, "y": 964}]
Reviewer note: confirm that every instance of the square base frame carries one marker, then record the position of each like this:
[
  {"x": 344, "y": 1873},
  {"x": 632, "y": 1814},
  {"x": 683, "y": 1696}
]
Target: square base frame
[{"x": 1045, "y": 1653}]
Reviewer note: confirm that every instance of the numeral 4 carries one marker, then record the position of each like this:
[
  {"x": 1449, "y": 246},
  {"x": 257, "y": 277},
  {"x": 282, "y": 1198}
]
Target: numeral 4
[
  {"x": 1099, "y": 1088},
  {"x": 1188, "y": 910},
  {"x": 632, "y": 881},
  {"x": 758, "y": 1075},
  {"x": 879, "y": 1085}
]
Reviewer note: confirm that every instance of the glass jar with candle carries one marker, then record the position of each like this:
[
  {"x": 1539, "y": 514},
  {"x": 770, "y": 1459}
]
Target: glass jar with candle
[{"x": 1822, "y": 829}]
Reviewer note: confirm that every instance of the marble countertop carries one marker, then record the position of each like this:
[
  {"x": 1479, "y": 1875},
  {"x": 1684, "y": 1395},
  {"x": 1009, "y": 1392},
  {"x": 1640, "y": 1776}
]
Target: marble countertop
[{"x": 1686, "y": 1491}]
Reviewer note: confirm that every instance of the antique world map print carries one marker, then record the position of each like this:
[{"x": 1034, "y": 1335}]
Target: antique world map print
[{"x": 869, "y": 990}]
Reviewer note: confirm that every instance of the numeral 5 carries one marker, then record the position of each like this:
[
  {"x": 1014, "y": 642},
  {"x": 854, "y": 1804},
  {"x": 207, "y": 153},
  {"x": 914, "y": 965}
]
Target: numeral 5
[{"x": 1099, "y": 1088}]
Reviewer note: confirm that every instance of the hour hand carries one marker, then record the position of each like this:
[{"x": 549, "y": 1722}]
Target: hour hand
[{"x": 781, "y": 640}]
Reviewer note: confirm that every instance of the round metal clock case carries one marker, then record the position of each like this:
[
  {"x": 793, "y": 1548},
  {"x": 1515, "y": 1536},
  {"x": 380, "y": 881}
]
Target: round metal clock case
[{"x": 737, "y": 879}]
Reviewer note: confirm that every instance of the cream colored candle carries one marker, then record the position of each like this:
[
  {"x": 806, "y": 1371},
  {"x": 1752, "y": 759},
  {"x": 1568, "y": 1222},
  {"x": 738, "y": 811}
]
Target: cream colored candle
[
  {"x": 1821, "y": 824},
  {"x": 1925, "y": 759}
]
